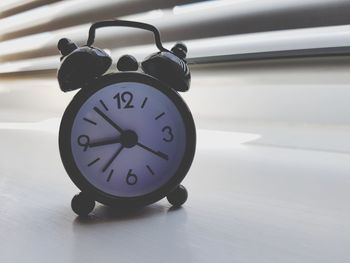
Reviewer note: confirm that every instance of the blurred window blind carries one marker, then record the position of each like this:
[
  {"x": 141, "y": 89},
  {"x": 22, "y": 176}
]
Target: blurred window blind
[{"x": 219, "y": 30}]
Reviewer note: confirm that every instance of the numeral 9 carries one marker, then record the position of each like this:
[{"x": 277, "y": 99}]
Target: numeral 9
[{"x": 84, "y": 141}]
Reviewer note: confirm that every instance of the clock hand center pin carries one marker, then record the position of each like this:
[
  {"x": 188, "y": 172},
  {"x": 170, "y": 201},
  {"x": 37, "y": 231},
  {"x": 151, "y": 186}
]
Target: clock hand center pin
[{"x": 129, "y": 139}]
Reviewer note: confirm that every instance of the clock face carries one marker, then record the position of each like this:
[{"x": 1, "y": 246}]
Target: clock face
[{"x": 128, "y": 139}]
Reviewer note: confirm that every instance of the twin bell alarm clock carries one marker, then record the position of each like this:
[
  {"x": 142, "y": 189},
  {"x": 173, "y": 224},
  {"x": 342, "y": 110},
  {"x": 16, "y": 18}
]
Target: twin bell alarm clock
[{"x": 127, "y": 139}]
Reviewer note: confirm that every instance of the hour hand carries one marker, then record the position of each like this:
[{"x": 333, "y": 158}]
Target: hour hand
[{"x": 106, "y": 142}]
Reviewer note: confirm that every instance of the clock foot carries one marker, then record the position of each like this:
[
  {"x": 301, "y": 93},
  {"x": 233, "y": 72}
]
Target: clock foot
[
  {"x": 178, "y": 196},
  {"x": 82, "y": 204}
]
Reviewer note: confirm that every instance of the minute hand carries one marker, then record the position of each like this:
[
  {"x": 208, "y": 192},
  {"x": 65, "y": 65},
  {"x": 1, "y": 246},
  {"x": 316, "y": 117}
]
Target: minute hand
[
  {"x": 158, "y": 153},
  {"x": 107, "y": 119}
]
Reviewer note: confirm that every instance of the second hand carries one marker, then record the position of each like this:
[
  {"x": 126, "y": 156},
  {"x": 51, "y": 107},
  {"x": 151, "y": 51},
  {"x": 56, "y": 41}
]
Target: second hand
[{"x": 159, "y": 154}]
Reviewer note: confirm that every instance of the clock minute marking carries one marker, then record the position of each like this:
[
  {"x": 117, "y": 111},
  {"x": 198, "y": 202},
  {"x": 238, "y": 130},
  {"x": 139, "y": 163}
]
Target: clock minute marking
[
  {"x": 110, "y": 175},
  {"x": 159, "y": 116},
  {"x": 150, "y": 169},
  {"x": 89, "y": 121},
  {"x": 144, "y": 103}
]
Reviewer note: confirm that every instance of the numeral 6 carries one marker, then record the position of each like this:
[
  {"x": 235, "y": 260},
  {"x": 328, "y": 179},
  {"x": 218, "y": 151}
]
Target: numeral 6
[{"x": 131, "y": 178}]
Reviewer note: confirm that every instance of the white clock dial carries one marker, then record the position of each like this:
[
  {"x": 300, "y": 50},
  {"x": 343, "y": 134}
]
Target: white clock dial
[{"x": 128, "y": 139}]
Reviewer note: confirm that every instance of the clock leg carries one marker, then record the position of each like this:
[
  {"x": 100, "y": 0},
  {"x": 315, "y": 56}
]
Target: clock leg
[
  {"x": 82, "y": 204},
  {"x": 178, "y": 196}
]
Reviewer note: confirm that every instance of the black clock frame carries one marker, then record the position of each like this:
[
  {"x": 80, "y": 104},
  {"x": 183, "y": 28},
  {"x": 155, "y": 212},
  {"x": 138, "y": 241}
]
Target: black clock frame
[{"x": 65, "y": 141}]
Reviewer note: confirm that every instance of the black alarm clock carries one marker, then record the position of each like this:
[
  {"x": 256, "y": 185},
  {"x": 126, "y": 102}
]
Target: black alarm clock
[{"x": 127, "y": 139}]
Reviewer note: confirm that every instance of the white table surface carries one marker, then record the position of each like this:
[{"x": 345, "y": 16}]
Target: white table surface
[{"x": 247, "y": 203}]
